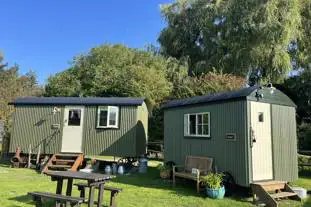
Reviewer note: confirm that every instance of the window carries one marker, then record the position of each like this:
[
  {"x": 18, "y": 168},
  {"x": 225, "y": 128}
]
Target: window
[
  {"x": 74, "y": 117},
  {"x": 197, "y": 125},
  {"x": 107, "y": 117},
  {"x": 260, "y": 117}
]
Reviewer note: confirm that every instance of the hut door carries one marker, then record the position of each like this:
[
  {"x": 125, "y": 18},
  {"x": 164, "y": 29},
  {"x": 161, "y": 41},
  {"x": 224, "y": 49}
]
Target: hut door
[
  {"x": 72, "y": 129},
  {"x": 262, "y": 144}
]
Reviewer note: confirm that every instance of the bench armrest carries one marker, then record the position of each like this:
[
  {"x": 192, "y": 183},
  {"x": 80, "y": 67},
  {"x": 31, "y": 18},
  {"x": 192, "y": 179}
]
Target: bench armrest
[{"x": 176, "y": 167}]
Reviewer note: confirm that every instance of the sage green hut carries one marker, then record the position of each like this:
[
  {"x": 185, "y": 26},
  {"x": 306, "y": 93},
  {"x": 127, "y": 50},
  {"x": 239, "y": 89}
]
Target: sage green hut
[
  {"x": 250, "y": 133},
  {"x": 94, "y": 126}
]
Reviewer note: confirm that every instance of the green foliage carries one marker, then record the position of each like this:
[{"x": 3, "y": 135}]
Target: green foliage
[
  {"x": 242, "y": 37},
  {"x": 304, "y": 136},
  {"x": 14, "y": 85},
  {"x": 212, "y": 180},
  {"x": 164, "y": 167},
  {"x": 299, "y": 89},
  {"x": 114, "y": 70}
]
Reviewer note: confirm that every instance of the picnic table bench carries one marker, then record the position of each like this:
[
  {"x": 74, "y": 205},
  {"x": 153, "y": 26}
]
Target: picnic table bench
[
  {"x": 201, "y": 165},
  {"x": 94, "y": 180},
  {"x": 113, "y": 194},
  {"x": 60, "y": 199}
]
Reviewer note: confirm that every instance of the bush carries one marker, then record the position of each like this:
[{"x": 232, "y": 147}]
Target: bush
[{"x": 304, "y": 136}]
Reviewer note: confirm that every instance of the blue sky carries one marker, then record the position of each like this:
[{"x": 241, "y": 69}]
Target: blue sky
[{"x": 44, "y": 35}]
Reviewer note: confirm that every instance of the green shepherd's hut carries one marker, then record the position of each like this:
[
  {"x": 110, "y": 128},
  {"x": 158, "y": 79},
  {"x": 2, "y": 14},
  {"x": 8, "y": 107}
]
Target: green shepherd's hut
[
  {"x": 250, "y": 133},
  {"x": 93, "y": 126}
]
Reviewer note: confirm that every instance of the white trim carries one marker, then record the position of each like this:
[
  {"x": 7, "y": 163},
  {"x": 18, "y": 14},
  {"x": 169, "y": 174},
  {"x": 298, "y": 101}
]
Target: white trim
[
  {"x": 108, "y": 108},
  {"x": 187, "y": 125}
]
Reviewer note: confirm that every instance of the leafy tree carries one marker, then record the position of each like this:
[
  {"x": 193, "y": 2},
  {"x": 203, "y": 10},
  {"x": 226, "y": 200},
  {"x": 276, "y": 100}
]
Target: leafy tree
[
  {"x": 243, "y": 37},
  {"x": 14, "y": 85},
  {"x": 114, "y": 70},
  {"x": 298, "y": 88}
]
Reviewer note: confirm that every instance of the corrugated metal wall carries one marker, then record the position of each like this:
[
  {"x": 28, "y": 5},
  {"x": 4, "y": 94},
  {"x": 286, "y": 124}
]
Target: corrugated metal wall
[
  {"x": 229, "y": 156},
  {"x": 113, "y": 142},
  {"x": 32, "y": 125},
  {"x": 142, "y": 129},
  {"x": 284, "y": 141}
]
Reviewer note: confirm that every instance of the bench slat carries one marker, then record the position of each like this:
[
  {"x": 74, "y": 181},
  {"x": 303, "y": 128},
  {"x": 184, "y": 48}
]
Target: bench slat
[
  {"x": 56, "y": 197},
  {"x": 105, "y": 187}
]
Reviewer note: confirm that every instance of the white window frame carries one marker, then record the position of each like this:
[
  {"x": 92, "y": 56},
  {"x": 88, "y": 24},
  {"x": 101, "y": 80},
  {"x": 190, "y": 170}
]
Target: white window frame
[
  {"x": 108, "y": 108},
  {"x": 187, "y": 125}
]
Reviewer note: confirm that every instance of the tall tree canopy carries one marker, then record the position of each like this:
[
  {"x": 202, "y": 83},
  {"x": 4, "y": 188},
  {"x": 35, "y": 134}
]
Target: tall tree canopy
[
  {"x": 115, "y": 70},
  {"x": 13, "y": 85},
  {"x": 242, "y": 37}
]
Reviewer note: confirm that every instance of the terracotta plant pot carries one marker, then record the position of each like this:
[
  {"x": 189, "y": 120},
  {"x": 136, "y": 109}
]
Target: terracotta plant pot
[{"x": 165, "y": 174}]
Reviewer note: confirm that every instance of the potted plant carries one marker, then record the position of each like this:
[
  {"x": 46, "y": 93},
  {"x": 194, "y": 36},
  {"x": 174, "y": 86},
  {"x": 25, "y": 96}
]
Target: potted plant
[
  {"x": 214, "y": 186},
  {"x": 165, "y": 171}
]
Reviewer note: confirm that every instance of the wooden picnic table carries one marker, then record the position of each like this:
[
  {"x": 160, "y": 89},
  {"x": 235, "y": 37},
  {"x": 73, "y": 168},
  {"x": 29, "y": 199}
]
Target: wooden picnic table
[{"x": 93, "y": 179}]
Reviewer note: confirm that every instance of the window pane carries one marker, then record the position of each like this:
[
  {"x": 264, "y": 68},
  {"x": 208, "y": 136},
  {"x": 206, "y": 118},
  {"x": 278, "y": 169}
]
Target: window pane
[
  {"x": 205, "y": 118},
  {"x": 113, "y": 116},
  {"x": 205, "y": 130},
  {"x": 74, "y": 117},
  {"x": 200, "y": 129},
  {"x": 103, "y": 117},
  {"x": 200, "y": 117},
  {"x": 192, "y": 120}
]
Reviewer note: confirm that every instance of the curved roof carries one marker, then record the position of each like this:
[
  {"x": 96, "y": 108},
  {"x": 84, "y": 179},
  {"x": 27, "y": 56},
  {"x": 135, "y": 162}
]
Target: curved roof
[
  {"x": 119, "y": 101},
  {"x": 277, "y": 97}
]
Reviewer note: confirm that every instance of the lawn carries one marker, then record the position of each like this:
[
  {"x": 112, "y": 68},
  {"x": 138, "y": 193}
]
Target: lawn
[{"x": 138, "y": 190}]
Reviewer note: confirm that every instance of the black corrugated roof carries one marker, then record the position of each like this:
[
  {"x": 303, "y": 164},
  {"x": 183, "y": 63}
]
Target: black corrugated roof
[
  {"x": 78, "y": 101},
  {"x": 217, "y": 97}
]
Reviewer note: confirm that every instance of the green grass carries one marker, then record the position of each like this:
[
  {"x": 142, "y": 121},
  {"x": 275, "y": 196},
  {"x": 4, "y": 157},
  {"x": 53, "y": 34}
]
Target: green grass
[{"x": 138, "y": 190}]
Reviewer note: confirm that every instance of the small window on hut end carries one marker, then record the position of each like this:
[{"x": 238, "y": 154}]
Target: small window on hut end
[
  {"x": 261, "y": 117},
  {"x": 108, "y": 117},
  {"x": 197, "y": 125}
]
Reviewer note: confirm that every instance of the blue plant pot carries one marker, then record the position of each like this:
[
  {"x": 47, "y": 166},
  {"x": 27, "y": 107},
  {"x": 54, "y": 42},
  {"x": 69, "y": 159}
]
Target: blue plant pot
[{"x": 216, "y": 193}]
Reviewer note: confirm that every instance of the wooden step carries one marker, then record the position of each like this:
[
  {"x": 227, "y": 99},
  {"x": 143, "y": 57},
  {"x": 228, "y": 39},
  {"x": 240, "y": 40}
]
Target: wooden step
[
  {"x": 283, "y": 195},
  {"x": 66, "y": 155},
  {"x": 272, "y": 185},
  {"x": 63, "y": 161},
  {"x": 60, "y": 166}
]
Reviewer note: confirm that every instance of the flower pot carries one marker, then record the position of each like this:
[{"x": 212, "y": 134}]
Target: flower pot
[
  {"x": 165, "y": 174},
  {"x": 216, "y": 193}
]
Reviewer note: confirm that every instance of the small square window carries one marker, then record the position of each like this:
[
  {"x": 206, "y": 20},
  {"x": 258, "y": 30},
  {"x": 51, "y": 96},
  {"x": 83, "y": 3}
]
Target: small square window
[
  {"x": 260, "y": 117},
  {"x": 107, "y": 117}
]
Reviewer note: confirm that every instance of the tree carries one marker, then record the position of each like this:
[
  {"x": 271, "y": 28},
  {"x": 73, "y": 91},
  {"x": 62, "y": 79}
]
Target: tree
[
  {"x": 243, "y": 37},
  {"x": 13, "y": 85},
  {"x": 114, "y": 70}
]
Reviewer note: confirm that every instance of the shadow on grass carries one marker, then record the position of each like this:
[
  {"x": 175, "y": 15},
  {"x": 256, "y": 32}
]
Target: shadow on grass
[
  {"x": 183, "y": 187},
  {"x": 23, "y": 199}
]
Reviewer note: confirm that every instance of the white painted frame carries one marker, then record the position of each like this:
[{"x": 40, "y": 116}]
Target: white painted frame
[
  {"x": 187, "y": 125},
  {"x": 108, "y": 108}
]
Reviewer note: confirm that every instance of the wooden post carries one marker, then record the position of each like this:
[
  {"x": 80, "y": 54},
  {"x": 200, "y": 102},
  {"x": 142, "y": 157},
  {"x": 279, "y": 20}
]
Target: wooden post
[
  {"x": 100, "y": 195},
  {"x": 59, "y": 186},
  {"x": 38, "y": 155},
  {"x": 91, "y": 196},
  {"x": 29, "y": 156},
  {"x": 69, "y": 187}
]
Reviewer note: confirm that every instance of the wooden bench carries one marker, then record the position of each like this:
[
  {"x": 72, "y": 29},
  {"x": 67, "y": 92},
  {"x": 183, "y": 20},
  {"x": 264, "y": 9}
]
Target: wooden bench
[
  {"x": 203, "y": 165},
  {"x": 113, "y": 194},
  {"x": 60, "y": 199}
]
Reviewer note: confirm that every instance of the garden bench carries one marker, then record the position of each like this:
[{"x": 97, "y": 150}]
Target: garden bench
[
  {"x": 201, "y": 165},
  {"x": 113, "y": 194},
  {"x": 60, "y": 199}
]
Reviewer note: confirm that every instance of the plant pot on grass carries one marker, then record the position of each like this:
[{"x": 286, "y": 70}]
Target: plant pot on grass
[
  {"x": 165, "y": 171},
  {"x": 213, "y": 185}
]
